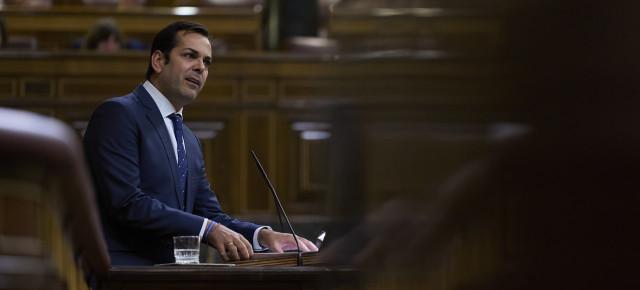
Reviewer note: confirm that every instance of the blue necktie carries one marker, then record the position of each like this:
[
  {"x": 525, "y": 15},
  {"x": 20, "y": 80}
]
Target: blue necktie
[{"x": 182, "y": 156}]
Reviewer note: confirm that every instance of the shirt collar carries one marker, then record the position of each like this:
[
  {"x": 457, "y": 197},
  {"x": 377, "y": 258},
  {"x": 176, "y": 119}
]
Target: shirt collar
[{"x": 165, "y": 107}]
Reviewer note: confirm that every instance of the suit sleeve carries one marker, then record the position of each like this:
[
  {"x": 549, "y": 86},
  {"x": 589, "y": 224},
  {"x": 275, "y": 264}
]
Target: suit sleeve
[{"x": 112, "y": 144}]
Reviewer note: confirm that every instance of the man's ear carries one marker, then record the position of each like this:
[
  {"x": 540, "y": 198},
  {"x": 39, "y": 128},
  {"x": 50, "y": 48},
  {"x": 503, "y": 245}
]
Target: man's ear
[{"x": 157, "y": 61}]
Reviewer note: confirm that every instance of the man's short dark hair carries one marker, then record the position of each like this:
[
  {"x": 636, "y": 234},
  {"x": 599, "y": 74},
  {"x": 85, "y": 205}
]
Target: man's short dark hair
[{"x": 167, "y": 39}]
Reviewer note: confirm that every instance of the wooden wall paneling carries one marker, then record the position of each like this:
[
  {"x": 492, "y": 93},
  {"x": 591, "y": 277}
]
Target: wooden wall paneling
[
  {"x": 37, "y": 88},
  {"x": 77, "y": 117},
  {"x": 81, "y": 95},
  {"x": 125, "y": 64},
  {"x": 310, "y": 147},
  {"x": 290, "y": 168},
  {"x": 8, "y": 88},
  {"x": 258, "y": 134},
  {"x": 258, "y": 90},
  {"x": 95, "y": 90},
  {"x": 368, "y": 32},
  {"x": 310, "y": 91},
  {"x": 347, "y": 195},
  {"x": 220, "y": 90},
  {"x": 419, "y": 28},
  {"x": 310, "y": 66},
  {"x": 313, "y": 160},
  {"x": 475, "y": 33},
  {"x": 215, "y": 140},
  {"x": 233, "y": 152},
  {"x": 287, "y": 166},
  {"x": 218, "y": 126}
]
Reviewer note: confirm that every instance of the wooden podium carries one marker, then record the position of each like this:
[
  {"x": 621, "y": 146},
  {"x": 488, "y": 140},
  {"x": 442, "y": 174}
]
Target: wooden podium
[
  {"x": 228, "y": 277},
  {"x": 264, "y": 271}
]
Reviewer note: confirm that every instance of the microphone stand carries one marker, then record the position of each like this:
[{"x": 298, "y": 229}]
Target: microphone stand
[{"x": 279, "y": 207}]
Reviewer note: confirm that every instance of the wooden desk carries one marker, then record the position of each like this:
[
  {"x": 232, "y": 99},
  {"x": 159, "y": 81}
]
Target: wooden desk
[{"x": 212, "y": 277}]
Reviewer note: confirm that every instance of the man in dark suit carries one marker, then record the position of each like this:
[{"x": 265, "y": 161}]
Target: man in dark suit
[{"x": 149, "y": 170}]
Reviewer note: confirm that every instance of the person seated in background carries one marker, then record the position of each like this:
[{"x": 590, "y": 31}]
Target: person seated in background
[{"x": 106, "y": 36}]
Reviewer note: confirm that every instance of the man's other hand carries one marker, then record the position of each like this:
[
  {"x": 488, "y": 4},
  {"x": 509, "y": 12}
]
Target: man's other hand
[{"x": 280, "y": 242}]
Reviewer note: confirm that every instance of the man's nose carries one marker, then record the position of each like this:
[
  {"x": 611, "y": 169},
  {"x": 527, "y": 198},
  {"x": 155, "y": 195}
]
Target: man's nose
[{"x": 199, "y": 66}]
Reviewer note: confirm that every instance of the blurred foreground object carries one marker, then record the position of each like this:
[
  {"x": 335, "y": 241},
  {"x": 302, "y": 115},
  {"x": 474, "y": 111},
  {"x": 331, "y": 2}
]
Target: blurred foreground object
[
  {"x": 50, "y": 235},
  {"x": 550, "y": 207}
]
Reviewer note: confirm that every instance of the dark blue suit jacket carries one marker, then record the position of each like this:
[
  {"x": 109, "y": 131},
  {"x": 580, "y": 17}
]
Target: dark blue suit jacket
[{"x": 134, "y": 168}]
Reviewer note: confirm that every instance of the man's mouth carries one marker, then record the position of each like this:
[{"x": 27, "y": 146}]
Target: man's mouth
[{"x": 194, "y": 81}]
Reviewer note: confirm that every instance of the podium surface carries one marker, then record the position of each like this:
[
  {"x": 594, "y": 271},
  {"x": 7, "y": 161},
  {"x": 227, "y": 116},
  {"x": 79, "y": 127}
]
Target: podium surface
[{"x": 227, "y": 277}]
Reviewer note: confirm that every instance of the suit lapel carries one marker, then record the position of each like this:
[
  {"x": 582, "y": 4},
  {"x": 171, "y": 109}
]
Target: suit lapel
[
  {"x": 156, "y": 119},
  {"x": 191, "y": 147}
]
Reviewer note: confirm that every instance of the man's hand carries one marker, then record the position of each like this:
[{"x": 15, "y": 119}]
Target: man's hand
[
  {"x": 280, "y": 242},
  {"x": 224, "y": 239}
]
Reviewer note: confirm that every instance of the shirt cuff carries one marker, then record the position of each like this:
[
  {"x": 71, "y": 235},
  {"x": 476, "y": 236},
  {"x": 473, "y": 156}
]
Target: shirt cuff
[
  {"x": 256, "y": 245},
  {"x": 204, "y": 227}
]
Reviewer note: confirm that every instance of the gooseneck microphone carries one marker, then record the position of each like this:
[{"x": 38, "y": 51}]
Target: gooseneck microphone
[{"x": 279, "y": 206}]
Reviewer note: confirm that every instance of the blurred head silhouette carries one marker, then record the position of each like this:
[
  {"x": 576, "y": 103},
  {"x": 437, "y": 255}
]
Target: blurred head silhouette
[{"x": 105, "y": 36}]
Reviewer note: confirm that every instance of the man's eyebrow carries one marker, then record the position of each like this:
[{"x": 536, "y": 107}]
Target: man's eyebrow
[
  {"x": 197, "y": 53},
  {"x": 192, "y": 50}
]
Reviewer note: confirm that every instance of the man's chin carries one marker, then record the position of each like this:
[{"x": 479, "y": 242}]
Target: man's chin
[{"x": 186, "y": 99}]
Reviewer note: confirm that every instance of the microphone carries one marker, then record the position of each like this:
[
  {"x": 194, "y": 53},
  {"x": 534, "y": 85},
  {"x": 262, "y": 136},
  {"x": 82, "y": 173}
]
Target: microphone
[{"x": 279, "y": 207}]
